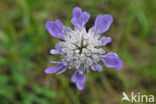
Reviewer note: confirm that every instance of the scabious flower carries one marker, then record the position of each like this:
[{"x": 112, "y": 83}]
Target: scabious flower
[{"x": 81, "y": 50}]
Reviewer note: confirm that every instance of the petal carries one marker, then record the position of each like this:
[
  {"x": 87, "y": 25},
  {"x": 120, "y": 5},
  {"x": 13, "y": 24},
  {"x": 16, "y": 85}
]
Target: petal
[
  {"x": 80, "y": 86},
  {"x": 57, "y": 46},
  {"x": 58, "y": 50},
  {"x": 97, "y": 67},
  {"x": 74, "y": 78},
  {"x": 54, "y": 51},
  {"x": 112, "y": 60},
  {"x": 67, "y": 30},
  {"x": 79, "y": 78},
  {"x": 75, "y": 22},
  {"x": 63, "y": 70},
  {"x": 53, "y": 69},
  {"x": 79, "y": 18},
  {"x": 59, "y": 24},
  {"x": 77, "y": 12},
  {"x": 55, "y": 28},
  {"x": 56, "y": 62},
  {"x": 80, "y": 81},
  {"x": 102, "y": 23},
  {"x": 85, "y": 18},
  {"x": 105, "y": 40},
  {"x": 93, "y": 68}
]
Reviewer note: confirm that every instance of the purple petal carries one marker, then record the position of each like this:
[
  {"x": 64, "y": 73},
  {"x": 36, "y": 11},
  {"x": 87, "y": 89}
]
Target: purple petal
[
  {"x": 53, "y": 69},
  {"x": 97, "y": 67},
  {"x": 58, "y": 47},
  {"x": 77, "y": 75},
  {"x": 63, "y": 70},
  {"x": 54, "y": 51},
  {"x": 105, "y": 40},
  {"x": 93, "y": 68},
  {"x": 55, "y": 28},
  {"x": 77, "y": 12},
  {"x": 56, "y": 62},
  {"x": 59, "y": 24},
  {"x": 79, "y": 18},
  {"x": 74, "y": 78},
  {"x": 102, "y": 23},
  {"x": 79, "y": 78},
  {"x": 112, "y": 60},
  {"x": 58, "y": 50},
  {"x": 85, "y": 17},
  {"x": 67, "y": 29},
  {"x": 80, "y": 86}
]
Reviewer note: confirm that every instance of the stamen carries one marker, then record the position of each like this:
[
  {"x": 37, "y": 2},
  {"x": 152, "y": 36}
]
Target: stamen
[{"x": 85, "y": 52}]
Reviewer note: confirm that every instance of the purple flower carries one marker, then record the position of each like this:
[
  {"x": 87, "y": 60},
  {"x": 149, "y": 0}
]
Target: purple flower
[{"x": 80, "y": 50}]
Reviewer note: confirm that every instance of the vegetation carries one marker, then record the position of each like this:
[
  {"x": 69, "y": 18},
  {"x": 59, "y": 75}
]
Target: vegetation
[{"x": 25, "y": 46}]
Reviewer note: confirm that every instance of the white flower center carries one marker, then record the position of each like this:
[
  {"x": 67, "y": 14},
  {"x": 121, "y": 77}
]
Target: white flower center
[{"x": 81, "y": 49}]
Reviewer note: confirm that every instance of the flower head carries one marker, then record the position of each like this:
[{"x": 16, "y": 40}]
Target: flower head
[{"x": 81, "y": 50}]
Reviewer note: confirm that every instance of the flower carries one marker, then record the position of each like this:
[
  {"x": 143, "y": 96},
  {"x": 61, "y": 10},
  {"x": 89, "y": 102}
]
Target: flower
[{"x": 81, "y": 50}]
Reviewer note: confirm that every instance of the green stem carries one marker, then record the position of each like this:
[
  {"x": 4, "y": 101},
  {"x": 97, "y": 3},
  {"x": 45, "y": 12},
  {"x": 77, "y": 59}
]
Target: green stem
[{"x": 77, "y": 97}]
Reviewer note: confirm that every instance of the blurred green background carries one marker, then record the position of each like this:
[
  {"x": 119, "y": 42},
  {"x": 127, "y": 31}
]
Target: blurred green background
[{"x": 25, "y": 46}]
